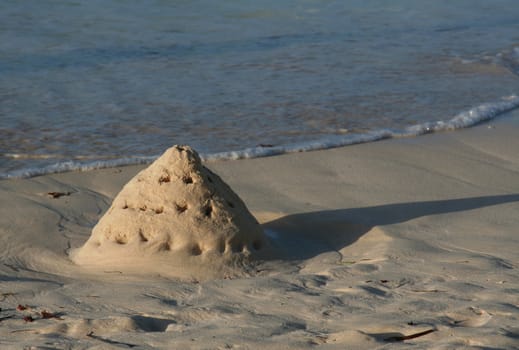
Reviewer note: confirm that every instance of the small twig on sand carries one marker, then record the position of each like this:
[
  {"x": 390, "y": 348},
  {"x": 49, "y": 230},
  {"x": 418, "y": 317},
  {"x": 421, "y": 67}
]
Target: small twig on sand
[
  {"x": 23, "y": 330},
  {"x": 6, "y": 317},
  {"x": 45, "y": 315},
  {"x": 109, "y": 341},
  {"x": 58, "y": 194},
  {"x": 410, "y": 336}
]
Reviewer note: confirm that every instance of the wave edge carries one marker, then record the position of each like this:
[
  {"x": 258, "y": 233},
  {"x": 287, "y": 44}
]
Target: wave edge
[{"x": 465, "y": 119}]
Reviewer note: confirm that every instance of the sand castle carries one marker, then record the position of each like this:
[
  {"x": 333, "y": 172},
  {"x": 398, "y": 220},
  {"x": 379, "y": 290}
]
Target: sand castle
[{"x": 178, "y": 218}]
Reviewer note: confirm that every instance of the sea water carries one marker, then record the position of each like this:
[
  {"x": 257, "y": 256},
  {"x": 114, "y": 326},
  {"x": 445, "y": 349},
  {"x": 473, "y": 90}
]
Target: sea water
[{"x": 86, "y": 84}]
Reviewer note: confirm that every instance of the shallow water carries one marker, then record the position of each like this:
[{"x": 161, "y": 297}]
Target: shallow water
[{"x": 97, "y": 83}]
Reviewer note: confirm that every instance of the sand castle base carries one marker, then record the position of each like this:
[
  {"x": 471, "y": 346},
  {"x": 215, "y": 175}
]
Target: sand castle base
[{"x": 175, "y": 218}]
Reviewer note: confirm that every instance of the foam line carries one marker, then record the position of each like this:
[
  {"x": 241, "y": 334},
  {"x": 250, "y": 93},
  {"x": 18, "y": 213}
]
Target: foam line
[{"x": 476, "y": 115}]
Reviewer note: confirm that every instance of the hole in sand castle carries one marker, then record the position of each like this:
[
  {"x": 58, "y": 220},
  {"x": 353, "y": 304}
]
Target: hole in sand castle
[
  {"x": 208, "y": 210},
  {"x": 159, "y": 210},
  {"x": 221, "y": 246},
  {"x": 257, "y": 245},
  {"x": 164, "y": 246},
  {"x": 187, "y": 179},
  {"x": 125, "y": 206},
  {"x": 142, "y": 237},
  {"x": 164, "y": 178},
  {"x": 196, "y": 250},
  {"x": 181, "y": 207},
  {"x": 119, "y": 239}
]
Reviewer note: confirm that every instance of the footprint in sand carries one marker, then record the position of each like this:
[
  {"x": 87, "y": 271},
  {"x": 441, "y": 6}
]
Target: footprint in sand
[{"x": 470, "y": 317}]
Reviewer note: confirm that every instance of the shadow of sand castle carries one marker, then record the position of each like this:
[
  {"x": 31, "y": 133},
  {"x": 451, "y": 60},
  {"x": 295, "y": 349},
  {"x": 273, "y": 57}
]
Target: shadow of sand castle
[{"x": 305, "y": 235}]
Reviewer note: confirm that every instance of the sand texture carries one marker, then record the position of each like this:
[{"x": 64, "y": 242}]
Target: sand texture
[
  {"x": 407, "y": 243},
  {"x": 175, "y": 218}
]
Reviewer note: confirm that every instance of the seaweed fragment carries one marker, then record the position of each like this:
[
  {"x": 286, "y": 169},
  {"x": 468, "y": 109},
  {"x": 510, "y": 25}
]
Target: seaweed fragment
[
  {"x": 58, "y": 194},
  {"x": 399, "y": 338}
]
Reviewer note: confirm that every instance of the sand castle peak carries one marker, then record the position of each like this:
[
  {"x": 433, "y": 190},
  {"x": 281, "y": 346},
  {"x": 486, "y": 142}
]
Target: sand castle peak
[{"x": 179, "y": 212}]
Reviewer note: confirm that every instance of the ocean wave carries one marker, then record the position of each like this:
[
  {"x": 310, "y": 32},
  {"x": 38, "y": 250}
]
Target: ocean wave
[
  {"x": 67, "y": 166},
  {"x": 476, "y": 115},
  {"x": 471, "y": 117}
]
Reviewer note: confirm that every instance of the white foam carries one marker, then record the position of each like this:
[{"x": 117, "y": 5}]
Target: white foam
[
  {"x": 476, "y": 115},
  {"x": 464, "y": 119},
  {"x": 63, "y": 167}
]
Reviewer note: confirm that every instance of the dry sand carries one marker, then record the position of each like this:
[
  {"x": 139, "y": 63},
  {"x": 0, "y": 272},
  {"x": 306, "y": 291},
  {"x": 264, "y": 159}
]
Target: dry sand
[{"x": 377, "y": 242}]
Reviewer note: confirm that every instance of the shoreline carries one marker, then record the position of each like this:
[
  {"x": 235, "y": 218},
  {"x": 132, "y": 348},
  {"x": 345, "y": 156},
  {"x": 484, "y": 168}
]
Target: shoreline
[
  {"x": 382, "y": 241},
  {"x": 485, "y": 112}
]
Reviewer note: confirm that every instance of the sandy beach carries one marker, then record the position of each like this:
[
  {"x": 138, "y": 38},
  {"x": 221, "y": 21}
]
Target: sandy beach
[{"x": 407, "y": 242}]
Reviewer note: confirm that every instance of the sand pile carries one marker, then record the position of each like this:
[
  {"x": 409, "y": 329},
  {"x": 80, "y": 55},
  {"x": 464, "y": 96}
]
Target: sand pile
[{"x": 177, "y": 218}]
